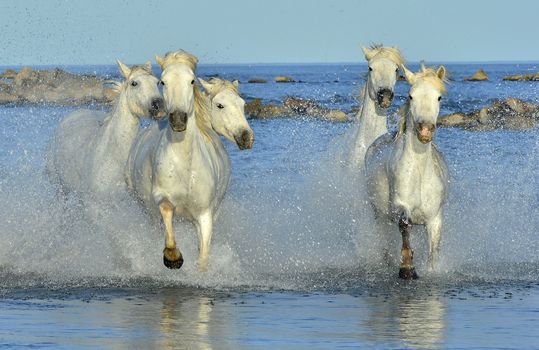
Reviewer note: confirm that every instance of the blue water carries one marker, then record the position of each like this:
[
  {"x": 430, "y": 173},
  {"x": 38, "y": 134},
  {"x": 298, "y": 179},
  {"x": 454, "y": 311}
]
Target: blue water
[{"x": 294, "y": 259}]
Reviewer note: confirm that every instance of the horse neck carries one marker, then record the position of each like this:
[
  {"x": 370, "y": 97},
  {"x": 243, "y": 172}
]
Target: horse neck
[
  {"x": 372, "y": 120},
  {"x": 122, "y": 125}
]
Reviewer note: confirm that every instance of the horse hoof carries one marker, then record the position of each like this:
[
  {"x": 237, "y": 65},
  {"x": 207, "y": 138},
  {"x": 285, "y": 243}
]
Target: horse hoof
[
  {"x": 408, "y": 273},
  {"x": 172, "y": 259}
]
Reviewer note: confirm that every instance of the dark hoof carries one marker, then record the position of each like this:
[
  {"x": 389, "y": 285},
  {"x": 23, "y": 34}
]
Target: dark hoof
[
  {"x": 173, "y": 264},
  {"x": 408, "y": 274},
  {"x": 172, "y": 258}
]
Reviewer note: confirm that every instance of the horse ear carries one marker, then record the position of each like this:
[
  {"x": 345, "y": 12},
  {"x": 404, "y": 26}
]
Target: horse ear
[
  {"x": 367, "y": 53},
  {"x": 207, "y": 86},
  {"x": 441, "y": 72},
  {"x": 236, "y": 83},
  {"x": 159, "y": 61},
  {"x": 124, "y": 70},
  {"x": 410, "y": 77},
  {"x": 148, "y": 66}
]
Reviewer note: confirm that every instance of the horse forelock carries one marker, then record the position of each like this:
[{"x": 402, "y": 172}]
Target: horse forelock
[
  {"x": 392, "y": 53},
  {"x": 220, "y": 85},
  {"x": 429, "y": 75},
  {"x": 140, "y": 68},
  {"x": 181, "y": 57}
]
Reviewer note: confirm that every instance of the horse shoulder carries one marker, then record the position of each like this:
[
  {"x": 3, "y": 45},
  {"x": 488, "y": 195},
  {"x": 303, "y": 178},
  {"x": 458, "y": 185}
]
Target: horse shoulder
[{"x": 440, "y": 165}]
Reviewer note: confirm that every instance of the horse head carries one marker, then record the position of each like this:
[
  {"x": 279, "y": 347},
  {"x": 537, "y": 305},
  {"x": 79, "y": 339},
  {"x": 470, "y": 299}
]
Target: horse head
[
  {"x": 178, "y": 83},
  {"x": 427, "y": 88},
  {"x": 227, "y": 112},
  {"x": 141, "y": 91},
  {"x": 384, "y": 64}
]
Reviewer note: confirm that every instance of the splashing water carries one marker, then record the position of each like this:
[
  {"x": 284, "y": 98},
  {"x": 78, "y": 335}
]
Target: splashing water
[{"x": 293, "y": 217}]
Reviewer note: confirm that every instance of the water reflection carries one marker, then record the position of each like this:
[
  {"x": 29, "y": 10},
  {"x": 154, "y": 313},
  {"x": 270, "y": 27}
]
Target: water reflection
[
  {"x": 172, "y": 319},
  {"x": 185, "y": 322},
  {"x": 412, "y": 318}
]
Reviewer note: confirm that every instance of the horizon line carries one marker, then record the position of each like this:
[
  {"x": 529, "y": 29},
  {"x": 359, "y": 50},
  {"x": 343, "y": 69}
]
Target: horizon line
[{"x": 281, "y": 63}]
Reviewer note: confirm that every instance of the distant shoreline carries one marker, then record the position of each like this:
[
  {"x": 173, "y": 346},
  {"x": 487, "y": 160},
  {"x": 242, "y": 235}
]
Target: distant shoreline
[{"x": 410, "y": 63}]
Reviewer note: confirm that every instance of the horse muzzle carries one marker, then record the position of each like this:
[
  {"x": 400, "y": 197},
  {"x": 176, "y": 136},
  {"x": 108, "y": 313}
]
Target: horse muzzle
[
  {"x": 384, "y": 97},
  {"x": 157, "y": 109},
  {"x": 425, "y": 132},
  {"x": 245, "y": 139},
  {"x": 177, "y": 121}
]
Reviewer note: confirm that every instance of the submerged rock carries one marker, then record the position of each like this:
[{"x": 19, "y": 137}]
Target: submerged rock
[
  {"x": 55, "y": 86},
  {"x": 8, "y": 74},
  {"x": 293, "y": 107},
  {"x": 511, "y": 114},
  {"x": 522, "y": 77},
  {"x": 282, "y": 79},
  {"x": 480, "y": 75},
  {"x": 257, "y": 81}
]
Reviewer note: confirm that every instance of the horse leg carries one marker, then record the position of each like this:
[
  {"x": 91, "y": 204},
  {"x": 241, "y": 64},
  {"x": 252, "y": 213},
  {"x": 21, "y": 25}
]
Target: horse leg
[
  {"x": 172, "y": 258},
  {"x": 385, "y": 232},
  {"x": 434, "y": 232},
  {"x": 407, "y": 270},
  {"x": 205, "y": 227}
]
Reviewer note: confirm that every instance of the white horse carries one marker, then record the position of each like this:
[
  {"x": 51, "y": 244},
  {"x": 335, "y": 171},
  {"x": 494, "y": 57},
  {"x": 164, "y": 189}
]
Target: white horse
[
  {"x": 184, "y": 168},
  {"x": 89, "y": 149},
  {"x": 408, "y": 179},
  {"x": 377, "y": 97}
]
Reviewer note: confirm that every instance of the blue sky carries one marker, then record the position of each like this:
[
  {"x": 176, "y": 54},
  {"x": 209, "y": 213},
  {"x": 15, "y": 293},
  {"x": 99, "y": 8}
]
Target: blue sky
[{"x": 278, "y": 31}]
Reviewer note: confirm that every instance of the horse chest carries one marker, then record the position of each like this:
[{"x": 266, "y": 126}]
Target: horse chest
[
  {"x": 186, "y": 181},
  {"x": 417, "y": 189}
]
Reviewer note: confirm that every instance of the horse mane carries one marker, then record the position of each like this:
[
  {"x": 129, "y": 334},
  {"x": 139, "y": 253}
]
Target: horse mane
[
  {"x": 402, "y": 113},
  {"x": 179, "y": 56},
  {"x": 203, "y": 114},
  {"x": 392, "y": 53}
]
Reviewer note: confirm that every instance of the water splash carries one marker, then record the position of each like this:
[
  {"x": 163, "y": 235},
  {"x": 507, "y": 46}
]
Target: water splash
[{"x": 293, "y": 218}]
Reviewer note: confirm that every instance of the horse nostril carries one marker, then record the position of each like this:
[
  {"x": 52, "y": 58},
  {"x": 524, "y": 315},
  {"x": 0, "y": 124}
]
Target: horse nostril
[
  {"x": 246, "y": 136},
  {"x": 183, "y": 117},
  {"x": 157, "y": 104},
  {"x": 385, "y": 93},
  {"x": 245, "y": 140}
]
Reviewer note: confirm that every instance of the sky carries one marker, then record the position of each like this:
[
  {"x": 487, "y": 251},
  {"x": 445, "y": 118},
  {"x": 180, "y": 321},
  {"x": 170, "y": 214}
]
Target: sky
[{"x": 35, "y": 32}]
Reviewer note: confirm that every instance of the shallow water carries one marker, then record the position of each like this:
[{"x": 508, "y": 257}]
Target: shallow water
[{"x": 295, "y": 262}]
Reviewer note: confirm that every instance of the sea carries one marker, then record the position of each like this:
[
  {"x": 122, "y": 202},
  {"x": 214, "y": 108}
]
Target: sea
[{"x": 296, "y": 262}]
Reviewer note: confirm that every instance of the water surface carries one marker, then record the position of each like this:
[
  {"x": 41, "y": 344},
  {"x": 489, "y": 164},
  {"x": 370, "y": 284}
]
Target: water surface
[{"x": 295, "y": 261}]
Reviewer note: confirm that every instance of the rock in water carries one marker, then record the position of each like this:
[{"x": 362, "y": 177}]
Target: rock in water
[
  {"x": 480, "y": 75},
  {"x": 257, "y": 81},
  {"x": 56, "y": 87},
  {"x": 511, "y": 114},
  {"x": 282, "y": 79},
  {"x": 293, "y": 107},
  {"x": 522, "y": 77}
]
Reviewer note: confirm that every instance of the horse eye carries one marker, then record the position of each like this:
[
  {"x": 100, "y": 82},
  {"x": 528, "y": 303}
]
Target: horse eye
[
  {"x": 397, "y": 70},
  {"x": 220, "y": 106},
  {"x": 370, "y": 69},
  {"x": 193, "y": 82},
  {"x": 162, "y": 83},
  {"x": 439, "y": 98},
  {"x": 410, "y": 97},
  {"x": 134, "y": 83}
]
